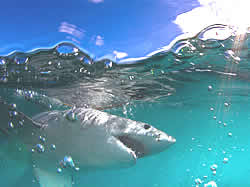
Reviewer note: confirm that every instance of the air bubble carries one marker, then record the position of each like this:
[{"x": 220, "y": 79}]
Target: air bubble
[
  {"x": 13, "y": 113},
  {"x": 11, "y": 125},
  {"x": 19, "y": 60},
  {"x": 13, "y": 106},
  {"x": 215, "y": 33},
  {"x": 184, "y": 49},
  {"x": 225, "y": 160},
  {"x": 45, "y": 72},
  {"x": 219, "y": 93},
  {"x": 2, "y": 62},
  {"x": 53, "y": 147},
  {"x": 131, "y": 77},
  {"x": 66, "y": 49},
  {"x": 42, "y": 139},
  {"x": 210, "y": 184},
  {"x": 20, "y": 123},
  {"x": 29, "y": 96},
  {"x": 40, "y": 148},
  {"x": 68, "y": 161},
  {"x": 229, "y": 54},
  {"x": 210, "y": 44},
  {"x": 198, "y": 181},
  {"x": 4, "y": 79},
  {"x": 213, "y": 167},
  {"x": 210, "y": 88},
  {"x": 77, "y": 168},
  {"x": 108, "y": 64},
  {"x": 59, "y": 170},
  {"x": 86, "y": 60},
  {"x": 58, "y": 65}
]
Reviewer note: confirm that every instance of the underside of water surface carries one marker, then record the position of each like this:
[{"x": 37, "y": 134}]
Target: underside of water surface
[{"x": 196, "y": 90}]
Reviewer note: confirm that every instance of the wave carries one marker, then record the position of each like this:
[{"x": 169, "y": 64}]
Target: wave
[{"x": 75, "y": 76}]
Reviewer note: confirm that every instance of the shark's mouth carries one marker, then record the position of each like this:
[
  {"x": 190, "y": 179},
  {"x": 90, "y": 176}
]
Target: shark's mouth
[{"x": 135, "y": 146}]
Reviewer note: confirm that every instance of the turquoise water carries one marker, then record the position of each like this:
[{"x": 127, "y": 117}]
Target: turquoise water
[{"x": 197, "y": 91}]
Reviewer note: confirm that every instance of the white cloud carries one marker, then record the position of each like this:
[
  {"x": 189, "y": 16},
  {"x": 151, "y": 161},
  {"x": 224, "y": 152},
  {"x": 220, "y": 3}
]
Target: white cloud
[
  {"x": 120, "y": 55},
  {"x": 230, "y": 12},
  {"x": 99, "y": 40},
  {"x": 96, "y": 1},
  {"x": 71, "y": 29}
]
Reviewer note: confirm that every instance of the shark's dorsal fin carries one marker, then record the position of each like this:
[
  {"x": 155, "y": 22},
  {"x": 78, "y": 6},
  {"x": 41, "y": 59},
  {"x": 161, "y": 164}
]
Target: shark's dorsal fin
[{"x": 52, "y": 179}]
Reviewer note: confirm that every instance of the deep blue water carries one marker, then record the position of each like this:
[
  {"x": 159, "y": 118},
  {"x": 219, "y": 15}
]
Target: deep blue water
[{"x": 198, "y": 92}]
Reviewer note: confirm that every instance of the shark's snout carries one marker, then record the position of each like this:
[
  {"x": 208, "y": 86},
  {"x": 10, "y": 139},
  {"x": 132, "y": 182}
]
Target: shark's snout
[
  {"x": 157, "y": 143},
  {"x": 145, "y": 140},
  {"x": 165, "y": 138}
]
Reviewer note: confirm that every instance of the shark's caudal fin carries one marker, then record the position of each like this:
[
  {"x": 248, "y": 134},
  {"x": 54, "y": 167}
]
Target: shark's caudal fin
[{"x": 52, "y": 179}]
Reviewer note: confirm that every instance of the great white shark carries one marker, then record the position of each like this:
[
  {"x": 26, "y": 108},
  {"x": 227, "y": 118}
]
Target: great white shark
[{"x": 58, "y": 143}]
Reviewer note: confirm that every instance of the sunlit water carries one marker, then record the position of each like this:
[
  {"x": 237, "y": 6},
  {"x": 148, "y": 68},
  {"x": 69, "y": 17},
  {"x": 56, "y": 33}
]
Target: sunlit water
[{"x": 197, "y": 91}]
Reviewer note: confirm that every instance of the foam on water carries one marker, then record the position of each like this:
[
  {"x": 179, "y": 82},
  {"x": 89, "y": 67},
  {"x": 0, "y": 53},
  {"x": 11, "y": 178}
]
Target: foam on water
[{"x": 197, "y": 89}]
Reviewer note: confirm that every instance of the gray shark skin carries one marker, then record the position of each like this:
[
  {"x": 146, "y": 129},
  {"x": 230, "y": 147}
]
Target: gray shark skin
[{"x": 72, "y": 139}]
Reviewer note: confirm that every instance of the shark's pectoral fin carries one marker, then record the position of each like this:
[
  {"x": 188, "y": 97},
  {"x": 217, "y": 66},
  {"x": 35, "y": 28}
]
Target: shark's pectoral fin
[{"x": 52, "y": 179}]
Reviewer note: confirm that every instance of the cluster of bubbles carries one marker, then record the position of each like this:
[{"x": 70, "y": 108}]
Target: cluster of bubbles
[
  {"x": 41, "y": 146},
  {"x": 41, "y": 99},
  {"x": 16, "y": 120},
  {"x": 225, "y": 160},
  {"x": 209, "y": 184},
  {"x": 63, "y": 62},
  {"x": 67, "y": 162}
]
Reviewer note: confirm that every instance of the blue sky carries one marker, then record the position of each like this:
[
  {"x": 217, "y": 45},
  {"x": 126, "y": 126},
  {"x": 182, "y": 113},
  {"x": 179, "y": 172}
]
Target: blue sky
[{"x": 134, "y": 27}]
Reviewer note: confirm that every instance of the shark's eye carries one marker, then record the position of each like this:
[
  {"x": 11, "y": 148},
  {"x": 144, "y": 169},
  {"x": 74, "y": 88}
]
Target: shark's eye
[{"x": 147, "y": 126}]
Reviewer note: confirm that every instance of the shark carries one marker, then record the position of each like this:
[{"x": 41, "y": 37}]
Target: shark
[{"x": 59, "y": 143}]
